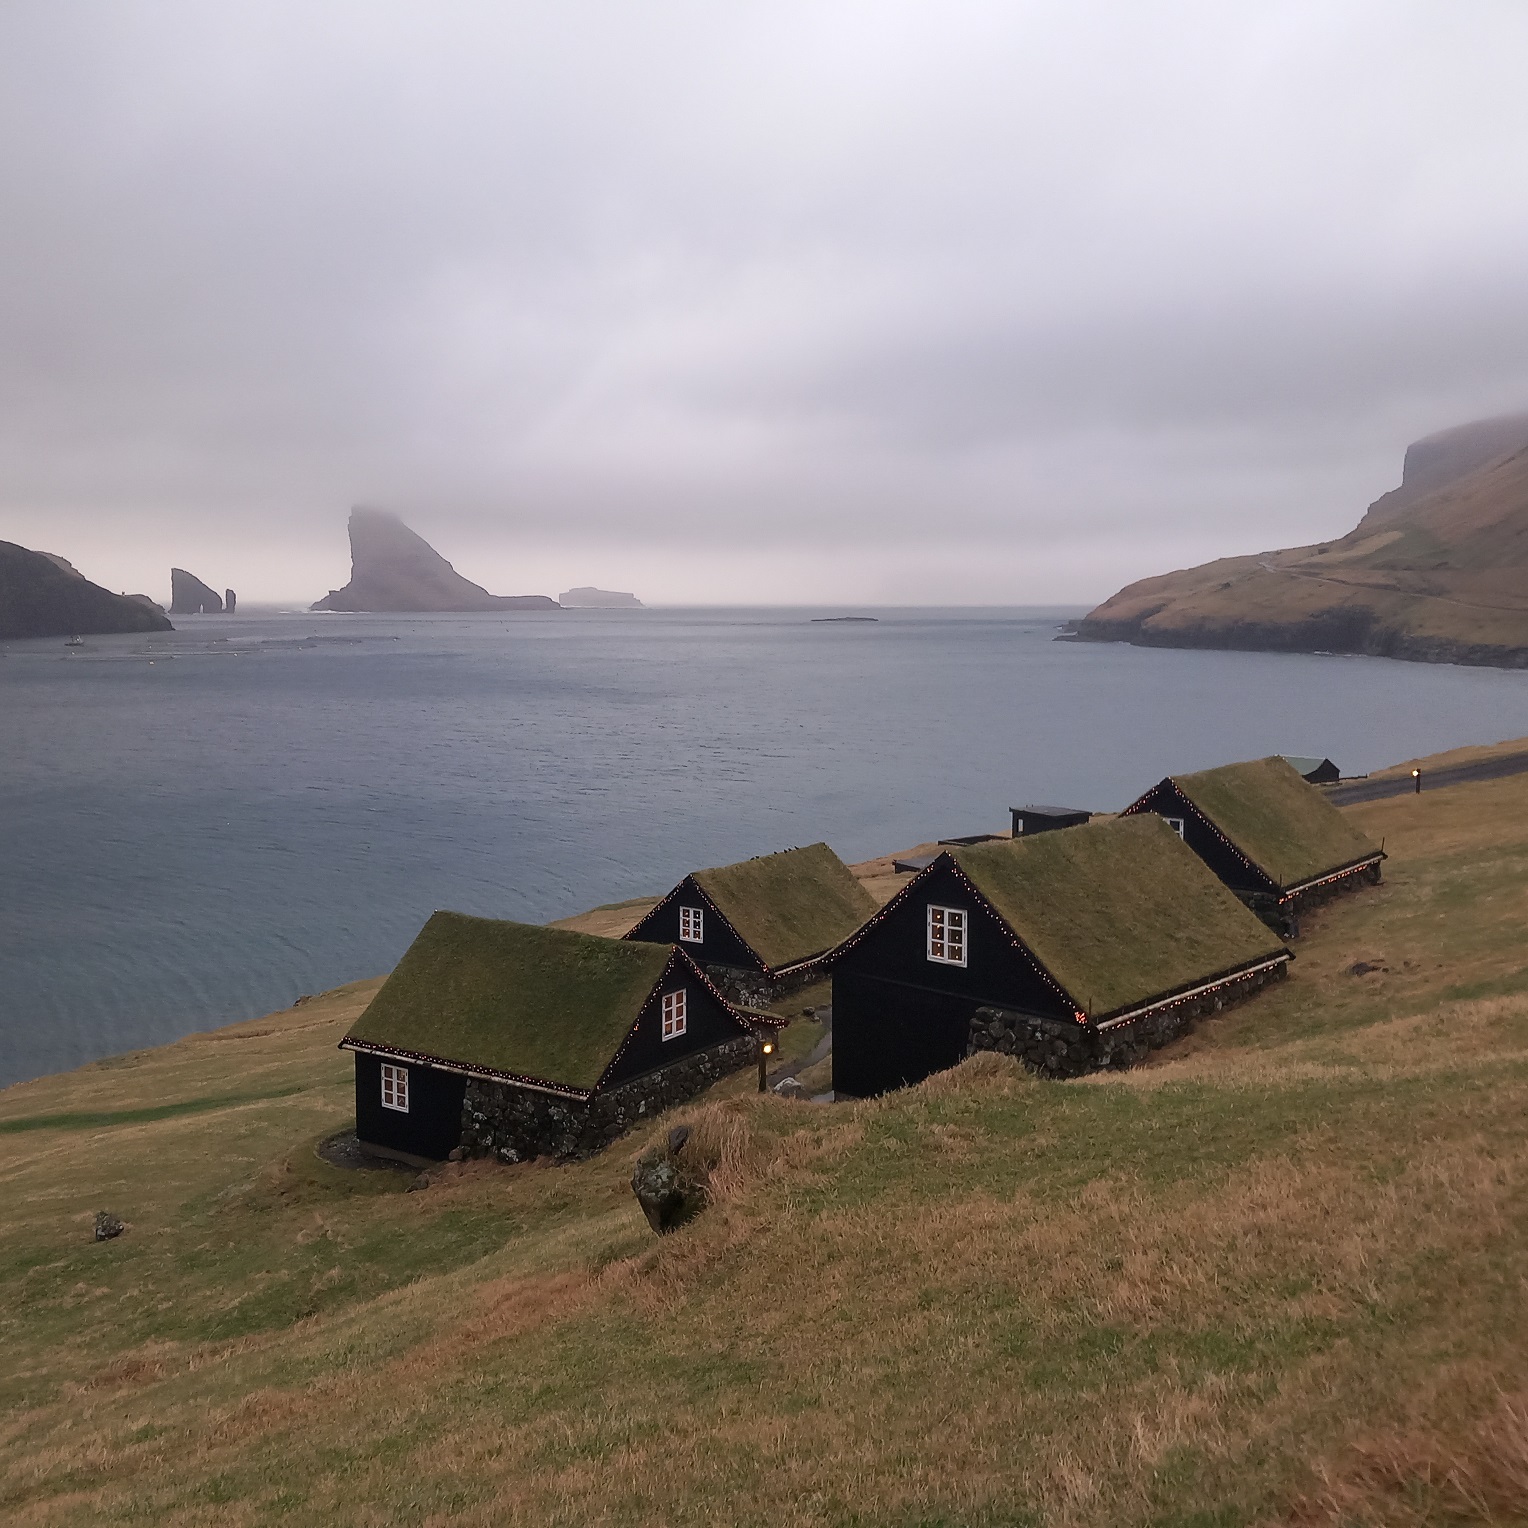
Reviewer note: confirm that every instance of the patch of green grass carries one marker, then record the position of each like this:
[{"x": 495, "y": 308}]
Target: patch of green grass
[{"x": 96, "y": 1119}]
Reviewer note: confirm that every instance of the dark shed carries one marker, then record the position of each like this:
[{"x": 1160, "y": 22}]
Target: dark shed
[
  {"x": 761, "y": 927},
  {"x": 521, "y": 1041},
  {"x": 1312, "y": 770},
  {"x": 1072, "y": 950},
  {"x": 1277, "y": 842},
  {"x": 1028, "y": 820}
]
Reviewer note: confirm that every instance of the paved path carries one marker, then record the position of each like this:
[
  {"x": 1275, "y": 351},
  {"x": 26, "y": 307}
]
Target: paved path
[
  {"x": 818, "y": 1052},
  {"x": 1432, "y": 779}
]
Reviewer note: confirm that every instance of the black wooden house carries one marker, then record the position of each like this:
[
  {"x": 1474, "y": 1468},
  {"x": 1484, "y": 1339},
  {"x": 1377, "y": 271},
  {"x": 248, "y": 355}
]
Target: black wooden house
[
  {"x": 1071, "y": 950},
  {"x": 515, "y": 1040},
  {"x": 1029, "y": 820},
  {"x": 761, "y": 927},
  {"x": 1276, "y": 841}
]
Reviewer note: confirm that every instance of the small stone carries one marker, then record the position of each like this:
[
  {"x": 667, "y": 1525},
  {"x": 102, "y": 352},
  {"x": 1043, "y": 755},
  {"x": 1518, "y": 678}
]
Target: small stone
[
  {"x": 788, "y": 1087},
  {"x": 676, "y": 1139},
  {"x": 107, "y": 1226},
  {"x": 454, "y": 1155}
]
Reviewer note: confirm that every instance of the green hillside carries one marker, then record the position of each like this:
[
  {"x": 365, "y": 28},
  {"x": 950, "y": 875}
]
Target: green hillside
[
  {"x": 1274, "y": 1277},
  {"x": 1437, "y": 570}
]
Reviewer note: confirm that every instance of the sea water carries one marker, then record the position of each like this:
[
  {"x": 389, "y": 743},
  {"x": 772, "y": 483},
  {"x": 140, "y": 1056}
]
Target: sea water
[{"x": 199, "y": 826}]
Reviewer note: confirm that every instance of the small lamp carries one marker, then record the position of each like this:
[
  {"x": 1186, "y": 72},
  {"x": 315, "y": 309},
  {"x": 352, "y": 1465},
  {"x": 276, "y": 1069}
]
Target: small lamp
[
  {"x": 1416, "y": 775},
  {"x": 766, "y": 1050}
]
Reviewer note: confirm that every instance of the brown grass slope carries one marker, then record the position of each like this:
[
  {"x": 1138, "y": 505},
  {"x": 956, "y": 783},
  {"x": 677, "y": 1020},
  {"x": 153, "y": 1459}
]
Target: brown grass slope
[
  {"x": 1442, "y": 577},
  {"x": 1275, "y": 1277}
]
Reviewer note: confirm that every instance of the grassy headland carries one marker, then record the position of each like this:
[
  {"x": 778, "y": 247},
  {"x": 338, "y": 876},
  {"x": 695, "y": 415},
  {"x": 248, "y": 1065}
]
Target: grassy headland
[{"x": 1274, "y": 1276}]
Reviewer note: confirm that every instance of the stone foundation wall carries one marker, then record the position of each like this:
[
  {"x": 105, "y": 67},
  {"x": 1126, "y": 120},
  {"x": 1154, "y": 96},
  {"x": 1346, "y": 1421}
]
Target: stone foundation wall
[
  {"x": 1064, "y": 1048},
  {"x": 515, "y": 1124},
  {"x": 1284, "y": 917},
  {"x": 1317, "y": 896},
  {"x": 752, "y": 989}
]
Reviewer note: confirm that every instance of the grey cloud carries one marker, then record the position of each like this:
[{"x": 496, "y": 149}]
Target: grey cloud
[{"x": 1116, "y": 285}]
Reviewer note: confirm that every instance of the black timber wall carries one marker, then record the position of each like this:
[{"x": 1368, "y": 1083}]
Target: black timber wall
[
  {"x": 432, "y": 1127},
  {"x": 899, "y": 1016},
  {"x": 708, "y": 1022},
  {"x": 720, "y": 947}
]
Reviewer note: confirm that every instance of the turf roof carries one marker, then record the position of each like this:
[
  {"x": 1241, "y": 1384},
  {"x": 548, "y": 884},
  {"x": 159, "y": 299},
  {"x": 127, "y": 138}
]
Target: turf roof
[
  {"x": 1285, "y": 826},
  {"x": 535, "y": 1002},
  {"x": 789, "y": 906},
  {"x": 1119, "y": 912}
]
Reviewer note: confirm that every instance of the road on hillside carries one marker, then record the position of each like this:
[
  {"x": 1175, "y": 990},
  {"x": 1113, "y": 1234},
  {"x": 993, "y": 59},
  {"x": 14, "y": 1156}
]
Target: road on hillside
[{"x": 1432, "y": 779}]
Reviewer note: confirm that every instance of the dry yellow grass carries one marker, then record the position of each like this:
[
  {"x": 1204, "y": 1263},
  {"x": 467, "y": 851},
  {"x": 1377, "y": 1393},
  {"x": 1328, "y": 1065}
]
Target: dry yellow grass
[
  {"x": 1274, "y": 1277},
  {"x": 613, "y": 921}
]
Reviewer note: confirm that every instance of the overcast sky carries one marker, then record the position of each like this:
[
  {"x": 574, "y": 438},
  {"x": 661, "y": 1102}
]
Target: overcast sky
[{"x": 977, "y": 302}]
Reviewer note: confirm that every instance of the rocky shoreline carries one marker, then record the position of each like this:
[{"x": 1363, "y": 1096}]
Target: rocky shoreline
[{"x": 1349, "y": 632}]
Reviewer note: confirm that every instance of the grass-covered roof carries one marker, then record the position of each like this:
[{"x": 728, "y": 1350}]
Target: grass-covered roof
[
  {"x": 790, "y": 906},
  {"x": 1119, "y": 912},
  {"x": 1285, "y": 826},
  {"x": 534, "y": 1002}
]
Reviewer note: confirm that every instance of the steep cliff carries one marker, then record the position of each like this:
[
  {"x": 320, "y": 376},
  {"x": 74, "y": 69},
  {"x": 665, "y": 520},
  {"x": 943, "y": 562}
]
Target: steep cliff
[
  {"x": 41, "y": 595},
  {"x": 1436, "y": 571},
  {"x": 190, "y": 596},
  {"x": 393, "y": 569}
]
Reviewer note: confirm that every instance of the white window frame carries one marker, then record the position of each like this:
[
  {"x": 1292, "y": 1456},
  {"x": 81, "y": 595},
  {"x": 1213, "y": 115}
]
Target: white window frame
[
  {"x": 1175, "y": 823},
  {"x": 943, "y": 923},
  {"x": 692, "y": 925},
  {"x": 675, "y": 1013},
  {"x": 395, "y": 1087}
]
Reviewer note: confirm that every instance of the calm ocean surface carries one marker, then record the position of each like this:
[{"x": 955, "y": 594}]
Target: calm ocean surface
[{"x": 199, "y": 826}]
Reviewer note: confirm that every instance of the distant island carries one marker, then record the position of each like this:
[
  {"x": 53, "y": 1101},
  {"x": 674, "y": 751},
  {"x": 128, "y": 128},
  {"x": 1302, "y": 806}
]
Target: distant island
[
  {"x": 393, "y": 569},
  {"x": 1436, "y": 571},
  {"x": 43, "y": 595},
  {"x": 597, "y": 599},
  {"x": 838, "y": 620}
]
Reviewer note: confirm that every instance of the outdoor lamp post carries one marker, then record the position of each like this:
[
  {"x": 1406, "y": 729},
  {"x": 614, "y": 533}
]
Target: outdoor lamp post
[
  {"x": 766, "y": 1050},
  {"x": 1416, "y": 775}
]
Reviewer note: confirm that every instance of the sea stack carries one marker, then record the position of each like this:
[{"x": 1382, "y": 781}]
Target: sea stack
[
  {"x": 190, "y": 596},
  {"x": 230, "y": 602},
  {"x": 393, "y": 569},
  {"x": 42, "y": 595}
]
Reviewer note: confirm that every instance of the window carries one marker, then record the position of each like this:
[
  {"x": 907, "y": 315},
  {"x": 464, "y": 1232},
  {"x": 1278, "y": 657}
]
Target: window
[
  {"x": 947, "y": 935},
  {"x": 692, "y": 925},
  {"x": 673, "y": 1014},
  {"x": 1176, "y": 824},
  {"x": 395, "y": 1088}
]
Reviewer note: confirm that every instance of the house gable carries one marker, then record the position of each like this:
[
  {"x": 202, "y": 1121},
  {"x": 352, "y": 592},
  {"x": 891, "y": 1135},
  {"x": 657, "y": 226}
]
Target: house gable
[
  {"x": 999, "y": 967},
  {"x": 1228, "y": 862},
  {"x": 708, "y": 1021},
  {"x": 721, "y": 944}
]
